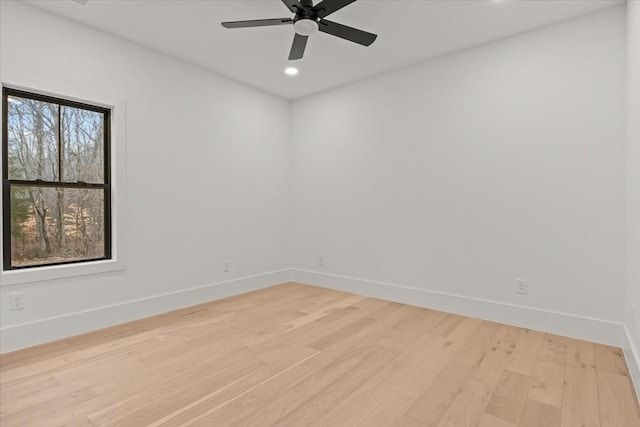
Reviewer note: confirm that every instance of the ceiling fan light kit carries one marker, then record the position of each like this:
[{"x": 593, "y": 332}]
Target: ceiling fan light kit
[
  {"x": 308, "y": 20},
  {"x": 305, "y": 26}
]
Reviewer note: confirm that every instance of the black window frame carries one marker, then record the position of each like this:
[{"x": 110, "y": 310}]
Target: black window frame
[{"x": 8, "y": 183}]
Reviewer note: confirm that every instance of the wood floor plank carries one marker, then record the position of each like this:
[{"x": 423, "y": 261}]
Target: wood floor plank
[
  {"x": 341, "y": 334},
  {"x": 329, "y": 397},
  {"x": 510, "y": 333},
  {"x": 316, "y": 330},
  {"x": 401, "y": 395},
  {"x": 472, "y": 400},
  {"x": 337, "y": 313},
  {"x": 548, "y": 372},
  {"x": 509, "y": 397},
  {"x": 580, "y": 354},
  {"x": 448, "y": 324},
  {"x": 580, "y": 404},
  {"x": 433, "y": 403},
  {"x": 234, "y": 390},
  {"x": 617, "y": 406},
  {"x": 299, "y": 355},
  {"x": 489, "y": 420},
  {"x": 426, "y": 320},
  {"x": 16, "y": 398},
  {"x": 50, "y": 412},
  {"x": 536, "y": 414},
  {"x": 366, "y": 398},
  {"x": 286, "y": 392},
  {"x": 610, "y": 359},
  {"x": 526, "y": 352},
  {"x": 161, "y": 399}
]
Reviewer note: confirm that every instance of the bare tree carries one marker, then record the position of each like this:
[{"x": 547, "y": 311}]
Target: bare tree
[{"x": 52, "y": 142}]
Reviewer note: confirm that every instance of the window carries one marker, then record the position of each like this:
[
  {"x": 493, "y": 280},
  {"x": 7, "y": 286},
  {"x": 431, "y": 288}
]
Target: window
[{"x": 56, "y": 190}]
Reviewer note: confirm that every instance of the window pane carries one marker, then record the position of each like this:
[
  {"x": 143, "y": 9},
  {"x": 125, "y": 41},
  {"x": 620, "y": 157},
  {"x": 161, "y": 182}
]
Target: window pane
[
  {"x": 82, "y": 145},
  {"x": 50, "y": 225},
  {"x": 32, "y": 139}
]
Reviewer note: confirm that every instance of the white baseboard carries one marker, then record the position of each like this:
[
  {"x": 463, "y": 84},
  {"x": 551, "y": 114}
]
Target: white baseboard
[
  {"x": 633, "y": 360},
  {"x": 585, "y": 328},
  {"x": 44, "y": 330}
]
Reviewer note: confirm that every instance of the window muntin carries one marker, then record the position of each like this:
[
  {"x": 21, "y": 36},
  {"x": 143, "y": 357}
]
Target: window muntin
[{"x": 56, "y": 181}]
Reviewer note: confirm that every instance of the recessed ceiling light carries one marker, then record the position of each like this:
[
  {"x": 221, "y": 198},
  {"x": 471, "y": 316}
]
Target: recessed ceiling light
[{"x": 291, "y": 71}]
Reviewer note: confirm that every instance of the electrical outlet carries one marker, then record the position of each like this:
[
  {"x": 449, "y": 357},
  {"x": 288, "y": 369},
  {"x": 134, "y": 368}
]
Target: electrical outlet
[
  {"x": 227, "y": 266},
  {"x": 17, "y": 301},
  {"x": 321, "y": 260},
  {"x": 522, "y": 287}
]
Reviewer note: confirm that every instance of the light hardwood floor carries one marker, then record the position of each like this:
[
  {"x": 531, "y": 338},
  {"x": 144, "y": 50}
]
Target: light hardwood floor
[{"x": 296, "y": 355}]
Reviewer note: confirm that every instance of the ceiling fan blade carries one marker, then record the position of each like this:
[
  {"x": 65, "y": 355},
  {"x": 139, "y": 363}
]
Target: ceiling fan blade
[
  {"x": 297, "y": 47},
  {"x": 292, "y": 5},
  {"x": 348, "y": 33},
  {"x": 327, "y": 7},
  {"x": 257, "y": 23}
]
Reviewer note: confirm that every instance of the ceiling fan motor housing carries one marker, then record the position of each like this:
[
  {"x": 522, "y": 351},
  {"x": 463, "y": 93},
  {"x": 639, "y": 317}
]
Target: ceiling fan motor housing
[{"x": 305, "y": 22}]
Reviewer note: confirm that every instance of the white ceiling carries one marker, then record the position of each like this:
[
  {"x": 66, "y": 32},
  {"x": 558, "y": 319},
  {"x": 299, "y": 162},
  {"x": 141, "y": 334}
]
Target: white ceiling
[{"x": 408, "y": 32}]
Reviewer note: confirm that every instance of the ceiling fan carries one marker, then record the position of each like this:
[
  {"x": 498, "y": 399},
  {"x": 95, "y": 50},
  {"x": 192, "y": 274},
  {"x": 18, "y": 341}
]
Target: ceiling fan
[{"x": 308, "y": 20}]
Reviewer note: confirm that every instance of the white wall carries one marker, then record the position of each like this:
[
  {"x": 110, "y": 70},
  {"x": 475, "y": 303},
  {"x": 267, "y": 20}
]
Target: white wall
[
  {"x": 208, "y": 179},
  {"x": 461, "y": 174},
  {"x": 447, "y": 180},
  {"x": 632, "y": 301}
]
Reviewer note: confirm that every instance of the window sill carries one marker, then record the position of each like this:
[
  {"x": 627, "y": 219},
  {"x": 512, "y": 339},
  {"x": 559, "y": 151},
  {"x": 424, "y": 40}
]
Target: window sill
[{"x": 53, "y": 272}]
